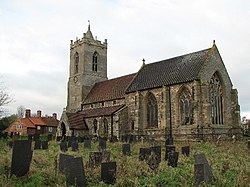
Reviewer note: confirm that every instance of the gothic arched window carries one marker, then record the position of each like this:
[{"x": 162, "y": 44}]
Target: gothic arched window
[
  {"x": 152, "y": 111},
  {"x": 76, "y": 59},
  {"x": 185, "y": 107},
  {"x": 216, "y": 100},
  {"x": 95, "y": 126},
  {"x": 94, "y": 61}
]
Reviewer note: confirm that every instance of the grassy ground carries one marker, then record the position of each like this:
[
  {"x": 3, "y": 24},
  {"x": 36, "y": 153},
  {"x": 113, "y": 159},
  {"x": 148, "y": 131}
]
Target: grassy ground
[{"x": 230, "y": 163}]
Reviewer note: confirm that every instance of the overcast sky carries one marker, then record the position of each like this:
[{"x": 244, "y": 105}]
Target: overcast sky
[{"x": 35, "y": 39}]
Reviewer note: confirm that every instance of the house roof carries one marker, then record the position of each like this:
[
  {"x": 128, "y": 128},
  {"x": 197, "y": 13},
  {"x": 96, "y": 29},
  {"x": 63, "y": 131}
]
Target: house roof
[
  {"x": 37, "y": 121},
  {"x": 176, "y": 70},
  {"x": 27, "y": 123},
  {"x": 50, "y": 121},
  {"x": 109, "y": 89}
]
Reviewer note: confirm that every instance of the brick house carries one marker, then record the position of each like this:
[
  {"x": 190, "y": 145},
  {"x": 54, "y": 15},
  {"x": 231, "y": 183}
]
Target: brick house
[
  {"x": 38, "y": 124},
  {"x": 188, "y": 95}
]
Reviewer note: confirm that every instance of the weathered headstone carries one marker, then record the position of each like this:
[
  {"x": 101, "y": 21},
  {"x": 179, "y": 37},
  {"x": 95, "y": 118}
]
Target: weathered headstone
[
  {"x": 105, "y": 156},
  {"x": 169, "y": 148},
  {"x": 108, "y": 172},
  {"x": 126, "y": 149},
  {"x": 45, "y": 144},
  {"x": 204, "y": 172},
  {"x": 74, "y": 146},
  {"x": 185, "y": 150},
  {"x": 144, "y": 154},
  {"x": 21, "y": 157},
  {"x": 157, "y": 151},
  {"x": 87, "y": 143},
  {"x": 62, "y": 159},
  {"x": 37, "y": 144},
  {"x": 74, "y": 172},
  {"x": 63, "y": 146},
  {"x": 95, "y": 159},
  {"x": 102, "y": 144},
  {"x": 153, "y": 160},
  {"x": 173, "y": 158}
]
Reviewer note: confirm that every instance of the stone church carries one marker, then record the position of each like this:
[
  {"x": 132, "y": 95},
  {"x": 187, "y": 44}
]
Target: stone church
[{"x": 187, "y": 96}]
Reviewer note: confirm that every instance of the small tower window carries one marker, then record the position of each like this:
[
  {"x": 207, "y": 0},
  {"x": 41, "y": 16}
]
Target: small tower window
[
  {"x": 76, "y": 58},
  {"x": 94, "y": 62}
]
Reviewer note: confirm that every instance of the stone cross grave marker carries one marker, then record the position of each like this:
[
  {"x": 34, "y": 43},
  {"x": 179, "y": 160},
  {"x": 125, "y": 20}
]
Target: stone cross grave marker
[
  {"x": 126, "y": 149},
  {"x": 173, "y": 158},
  {"x": 74, "y": 172},
  {"x": 185, "y": 150},
  {"x": 37, "y": 144},
  {"x": 63, "y": 146},
  {"x": 45, "y": 144},
  {"x": 87, "y": 143},
  {"x": 169, "y": 148},
  {"x": 108, "y": 172},
  {"x": 95, "y": 159},
  {"x": 202, "y": 170},
  {"x": 21, "y": 157}
]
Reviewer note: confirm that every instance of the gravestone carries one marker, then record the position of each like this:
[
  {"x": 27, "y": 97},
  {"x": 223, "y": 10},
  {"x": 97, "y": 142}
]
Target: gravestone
[
  {"x": 37, "y": 144},
  {"x": 50, "y": 137},
  {"x": 108, "y": 172},
  {"x": 74, "y": 146},
  {"x": 173, "y": 158},
  {"x": 204, "y": 173},
  {"x": 126, "y": 149},
  {"x": 45, "y": 144},
  {"x": 102, "y": 144},
  {"x": 169, "y": 148},
  {"x": 153, "y": 160},
  {"x": 63, "y": 146},
  {"x": 74, "y": 172},
  {"x": 144, "y": 154},
  {"x": 248, "y": 144},
  {"x": 95, "y": 159},
  {"x": 21, "y": 157},
  {"x": 63, "y": 158},
  {"x": 36, "y": 137},
  {"x": 105, "y": 156},
  {"x": 157, "y": 151},
  {"x": 30, "y": 137},
  {"x": 185, "y": 150},
  {"x": 87, "y": 143}
]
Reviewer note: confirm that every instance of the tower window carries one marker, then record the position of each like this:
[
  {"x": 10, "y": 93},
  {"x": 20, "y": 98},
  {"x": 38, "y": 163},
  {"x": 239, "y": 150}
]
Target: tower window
[
  {"x": 76, "y": 58},
  {"x": 94, "y": 61}
]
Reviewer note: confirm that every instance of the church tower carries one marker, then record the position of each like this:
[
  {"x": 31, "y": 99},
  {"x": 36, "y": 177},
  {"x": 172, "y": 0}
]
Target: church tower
[{"x": 88, "y": 65}]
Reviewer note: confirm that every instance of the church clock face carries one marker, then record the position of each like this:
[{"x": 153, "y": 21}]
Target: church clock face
[{"x": 75, "y": 79}]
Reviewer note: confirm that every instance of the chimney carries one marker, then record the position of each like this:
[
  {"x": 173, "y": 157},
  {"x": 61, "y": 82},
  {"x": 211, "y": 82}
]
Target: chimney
[
  {"x": 27, "y": 113},
  {"x": 54, "y": 115},
  {"x": 39, "y": 113}
]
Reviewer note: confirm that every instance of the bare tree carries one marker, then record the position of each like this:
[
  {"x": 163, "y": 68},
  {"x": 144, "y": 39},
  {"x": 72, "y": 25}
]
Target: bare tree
[
  {"x": 5, "y": 98},
  {"x": 20, "y": 111}
]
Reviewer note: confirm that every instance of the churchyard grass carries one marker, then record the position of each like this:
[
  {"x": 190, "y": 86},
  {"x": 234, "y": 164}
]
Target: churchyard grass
[{"x": 230, "y": 163}]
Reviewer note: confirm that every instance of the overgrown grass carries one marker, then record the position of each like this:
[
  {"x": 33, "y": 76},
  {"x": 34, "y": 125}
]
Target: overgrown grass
[{"x": 230, "y": 163}]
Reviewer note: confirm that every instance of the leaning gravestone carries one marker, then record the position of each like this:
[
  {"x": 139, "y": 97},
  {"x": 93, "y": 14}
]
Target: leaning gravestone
[
  {"x": 74, "y": 172},
  {"x": 37, "y": 144},
  {"x": 185, "y": 150},
  {"x": 102, "y": 144},
  {"x": 63, "y": 158},
  {"x": 126, "y": 149},
  {"x": 63, "y": 146},
  {"x": 144, "y": 154},
  {"x": 21, "y": 157},
  {"x": 108, "y": 172},
  {"x": 169, "y": 148},
  {"x": 87, "y": 143},
  {"x": 173, "y": 158},
  {"x": 202, "y": 170},
  {"x": 95, "y": 159},
  {"x": 45, "y": 144},
  {"x": 74, "y": 146}
]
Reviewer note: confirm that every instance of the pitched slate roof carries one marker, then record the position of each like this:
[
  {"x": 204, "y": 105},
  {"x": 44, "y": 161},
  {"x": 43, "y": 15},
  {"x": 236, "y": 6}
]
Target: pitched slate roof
[
  {"x": 176, "y": 70},
  {"x": 109, "y": 89},
  {"x": 50, "y": 121}
]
